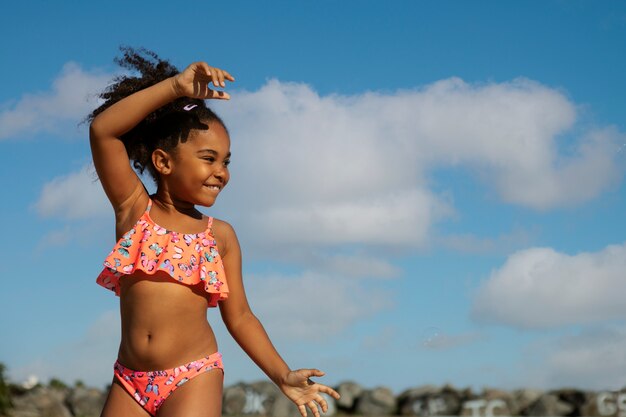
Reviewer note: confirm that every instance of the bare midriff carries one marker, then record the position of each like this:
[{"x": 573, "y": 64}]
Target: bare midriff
[{"x": 164, "y": 323}]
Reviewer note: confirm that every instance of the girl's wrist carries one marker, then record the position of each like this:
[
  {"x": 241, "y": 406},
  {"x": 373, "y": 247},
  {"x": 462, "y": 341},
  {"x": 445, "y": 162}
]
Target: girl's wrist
[
  {"x": 281, "y": 380},
  {"x": 175, "y": 87}
]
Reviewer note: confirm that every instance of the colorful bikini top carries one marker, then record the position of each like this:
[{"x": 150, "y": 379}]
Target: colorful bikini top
[{"x": 189, "y": 258}]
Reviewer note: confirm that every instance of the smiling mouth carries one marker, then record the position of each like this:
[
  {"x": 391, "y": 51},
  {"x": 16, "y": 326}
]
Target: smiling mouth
[{"x": 214, "y": 187}]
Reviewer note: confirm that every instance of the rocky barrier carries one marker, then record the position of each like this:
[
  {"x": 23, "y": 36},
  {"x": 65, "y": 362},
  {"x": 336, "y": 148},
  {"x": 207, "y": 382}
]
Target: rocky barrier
[{"x": 264, "y": 399}]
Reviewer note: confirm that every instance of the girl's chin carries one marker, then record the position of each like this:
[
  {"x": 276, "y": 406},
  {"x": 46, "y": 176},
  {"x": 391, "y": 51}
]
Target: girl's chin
[{"x": 207, "y": 201}]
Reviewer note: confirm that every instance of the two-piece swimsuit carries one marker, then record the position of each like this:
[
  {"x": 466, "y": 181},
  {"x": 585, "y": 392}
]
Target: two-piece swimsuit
[{"x": 190, "y": 259}]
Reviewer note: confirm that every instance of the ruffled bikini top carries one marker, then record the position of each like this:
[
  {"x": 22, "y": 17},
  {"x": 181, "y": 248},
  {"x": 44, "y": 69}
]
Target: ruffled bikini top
[{"x": 187, "y": 258}]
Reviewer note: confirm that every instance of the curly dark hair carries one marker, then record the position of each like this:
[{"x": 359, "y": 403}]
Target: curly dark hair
[{"x": 164, "y": 128}]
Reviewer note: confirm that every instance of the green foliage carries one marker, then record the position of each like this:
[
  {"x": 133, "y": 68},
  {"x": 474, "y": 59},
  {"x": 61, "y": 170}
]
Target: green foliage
[
  {"x": 79, "y": 384},
  {"x": 5, "y": 399},
  {"x": 57, "y": 384}
]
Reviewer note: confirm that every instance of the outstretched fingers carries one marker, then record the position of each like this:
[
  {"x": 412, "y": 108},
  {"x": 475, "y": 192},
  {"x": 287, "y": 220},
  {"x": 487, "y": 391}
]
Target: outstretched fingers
[
  {"x": 314, "y": 408},
  {"x": 307, "y": 393},
  {"x": 319, "y": 401},
  {"x": 322, "y": 403},
  {"x": 328, "y": 390}
]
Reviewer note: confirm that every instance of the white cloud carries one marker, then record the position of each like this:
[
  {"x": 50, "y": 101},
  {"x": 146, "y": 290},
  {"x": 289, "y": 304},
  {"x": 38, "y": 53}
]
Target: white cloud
[
  {"x": 592, "y": 359},
  {"x": 305, "y": 150},
  {"x": 312, "y": 305},
  {"x": 359, "y": 266},
  {"x": 539, "y": 288},
  {"x": 336, "y": 170},
  {"x": 78, "y": 195},
  {"x": 400, "y": 219},
  {"x": 72, "y": 97}
]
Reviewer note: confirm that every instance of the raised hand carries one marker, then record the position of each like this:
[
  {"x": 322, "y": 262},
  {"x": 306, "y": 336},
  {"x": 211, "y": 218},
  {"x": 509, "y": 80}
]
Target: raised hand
[
  {"x": 305, "y": 393},
  {"x": 195, "y": 79}
]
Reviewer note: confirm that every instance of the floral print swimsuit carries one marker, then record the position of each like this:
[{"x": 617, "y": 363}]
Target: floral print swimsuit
[{"x": 190, "y": 259}]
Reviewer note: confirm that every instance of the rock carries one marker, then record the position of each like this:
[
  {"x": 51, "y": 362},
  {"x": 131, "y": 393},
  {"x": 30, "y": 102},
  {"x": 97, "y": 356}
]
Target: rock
[
  {"x": 40, "y": 402},
  {"x": 412, "y": 402},
  {"x": 482, "y": 407},
  {"x": 428, "y": 400},
  {"x": 257, "y": 399},
  {"x": 349, "y": 392},
  {"x": 549, "y": 405},
  {"x": 85, "y": 402},
  {"x": 495, "y": 394},
  {"x": 491, "y": 402},
  {"x": 378, "y": 401},
  {"x": 523, "y": 399},
  {"x": 261, "y": 397},
  {"x": 234, "y": 400},
  {"x": 604, "y": 404},
  {"x": 249, "y": 399},
  {"x": 421, "y": 391},
  {"x": 576, "y": 398}
]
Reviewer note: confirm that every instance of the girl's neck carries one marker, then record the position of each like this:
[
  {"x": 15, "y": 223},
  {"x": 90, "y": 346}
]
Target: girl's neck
[{"x": 166, "y": 203}]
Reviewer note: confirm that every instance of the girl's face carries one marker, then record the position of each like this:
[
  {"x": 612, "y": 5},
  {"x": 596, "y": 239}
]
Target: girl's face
[{"x": 200, "y": 166}]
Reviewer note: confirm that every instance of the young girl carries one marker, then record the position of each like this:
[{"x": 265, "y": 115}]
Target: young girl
[{"x": 171, "y": 262}]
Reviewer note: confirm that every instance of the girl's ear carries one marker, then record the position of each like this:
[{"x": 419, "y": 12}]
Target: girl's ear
[{"x": 162, "y": 161}]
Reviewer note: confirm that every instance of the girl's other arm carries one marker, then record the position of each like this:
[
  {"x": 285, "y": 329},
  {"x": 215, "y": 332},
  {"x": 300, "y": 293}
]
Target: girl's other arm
[{"x": 249, "y": 333}]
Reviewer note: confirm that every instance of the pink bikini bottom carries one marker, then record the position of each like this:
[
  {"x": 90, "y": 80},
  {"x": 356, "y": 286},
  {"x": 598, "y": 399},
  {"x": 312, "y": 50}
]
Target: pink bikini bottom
[{"x": 151, "y": 388}]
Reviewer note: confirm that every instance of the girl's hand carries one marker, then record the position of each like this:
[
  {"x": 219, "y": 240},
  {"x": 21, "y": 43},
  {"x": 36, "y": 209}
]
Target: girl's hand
[
  {"x": 194, "y": 82},
  {"x": 305, "y": 393}
]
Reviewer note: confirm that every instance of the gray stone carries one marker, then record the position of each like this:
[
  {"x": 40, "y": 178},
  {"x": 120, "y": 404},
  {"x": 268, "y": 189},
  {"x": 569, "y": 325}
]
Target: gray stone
[
  {"x": 421, "y": 391},
  {"x": 604, "y": 404},
  {"x": 378, "y": 401},
  {"x": 482, "y": 407},
  {"x": 249, "y": 399},
  {"x": 574, "y": 397},
  {"x": 85, "y": 402},
  {"x": 261, "y": 398},
  {"x": 549, "y": 405},
  {"x": 349, "y": 392},
  {"x": 523, "y": 399},
  {"x": 491, "y": 402},
  {"x": 234, "y": 400},
  {"x": 429, "y": 400},
  {"x": 40, "y": 402}
]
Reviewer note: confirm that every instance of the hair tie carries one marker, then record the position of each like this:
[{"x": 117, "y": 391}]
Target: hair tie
[{"x": 190, "y": 107}]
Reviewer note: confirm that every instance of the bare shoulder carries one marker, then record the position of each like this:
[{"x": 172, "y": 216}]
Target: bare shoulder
[{"x": 225, "y": 236}]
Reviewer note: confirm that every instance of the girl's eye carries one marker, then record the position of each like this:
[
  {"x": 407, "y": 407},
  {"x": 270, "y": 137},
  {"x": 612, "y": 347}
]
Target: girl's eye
[
  {"x": 227, "y": 162},
  {"x": 209, "y": 159}
]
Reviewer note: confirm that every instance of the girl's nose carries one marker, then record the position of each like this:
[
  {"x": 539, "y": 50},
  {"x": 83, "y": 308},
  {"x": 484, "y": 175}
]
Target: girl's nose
[{"x": 220, "y": 173}]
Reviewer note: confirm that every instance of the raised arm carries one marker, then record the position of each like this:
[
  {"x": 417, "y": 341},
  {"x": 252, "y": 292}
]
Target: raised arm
[
  {"x": 249, "y": 333},
  {"x": 119, "y": 180}
]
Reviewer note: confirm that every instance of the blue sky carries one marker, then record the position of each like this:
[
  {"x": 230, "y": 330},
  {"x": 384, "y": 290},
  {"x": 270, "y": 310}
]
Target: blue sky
[{"x": 426, "y": 192}]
